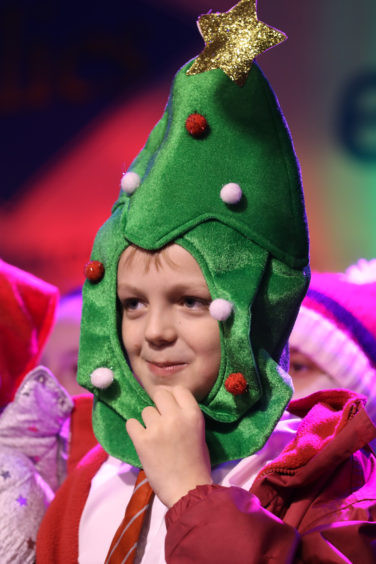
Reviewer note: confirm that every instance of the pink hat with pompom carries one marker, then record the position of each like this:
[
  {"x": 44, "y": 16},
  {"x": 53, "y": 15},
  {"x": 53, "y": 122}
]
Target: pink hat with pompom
[{"x": 336, "y": 327}]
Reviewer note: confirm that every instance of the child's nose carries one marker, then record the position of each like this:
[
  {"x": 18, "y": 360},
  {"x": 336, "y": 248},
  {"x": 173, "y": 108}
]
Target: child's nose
[{"x": 160, "y": 328}]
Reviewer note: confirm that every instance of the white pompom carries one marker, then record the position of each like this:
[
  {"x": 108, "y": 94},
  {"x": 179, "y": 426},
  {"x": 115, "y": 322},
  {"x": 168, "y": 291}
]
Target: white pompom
[
  {"x": 102, "y": 378},
  {"x": 362, "y": 272},
  {"x": 221, "y": 309},
  {"x": 130, "y": 182},
  {"x": 231, "y": 193}
]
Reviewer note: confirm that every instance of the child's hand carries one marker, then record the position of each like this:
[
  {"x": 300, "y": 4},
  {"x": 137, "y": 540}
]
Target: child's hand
[{"x": 171, "y": 446}]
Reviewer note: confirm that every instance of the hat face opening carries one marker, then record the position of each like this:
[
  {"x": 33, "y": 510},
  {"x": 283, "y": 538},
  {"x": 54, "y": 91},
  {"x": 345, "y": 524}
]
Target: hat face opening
[{"x": 168, "y": 333}]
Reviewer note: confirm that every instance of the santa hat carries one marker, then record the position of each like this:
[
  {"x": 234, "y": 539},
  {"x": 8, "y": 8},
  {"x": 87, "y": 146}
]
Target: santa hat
[
  {"x": 27, "y": 306},
  {"x": 336, "y": 327}
]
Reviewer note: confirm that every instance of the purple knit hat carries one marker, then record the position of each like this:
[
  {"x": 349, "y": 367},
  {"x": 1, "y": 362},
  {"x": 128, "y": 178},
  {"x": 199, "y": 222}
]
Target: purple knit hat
[{"x": 336, "y": 327}]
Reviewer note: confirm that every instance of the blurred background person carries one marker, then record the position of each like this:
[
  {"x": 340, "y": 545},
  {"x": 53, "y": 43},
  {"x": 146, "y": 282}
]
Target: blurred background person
[
  {"x": 61, "y": 351},
  {"x": 34, "y": 410},
  {"x": 333, "y": 342},
  {"x": 43, "y": 431}
]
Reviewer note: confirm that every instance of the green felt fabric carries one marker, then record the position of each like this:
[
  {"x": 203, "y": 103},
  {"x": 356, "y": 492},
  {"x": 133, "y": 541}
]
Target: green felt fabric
[
  {"x": 248, "y": 143},
  {"x": 254, "y": 254}
]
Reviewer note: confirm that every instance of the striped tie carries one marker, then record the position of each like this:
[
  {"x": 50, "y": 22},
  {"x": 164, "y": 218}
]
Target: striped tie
[{"x": 124, "y": 543}]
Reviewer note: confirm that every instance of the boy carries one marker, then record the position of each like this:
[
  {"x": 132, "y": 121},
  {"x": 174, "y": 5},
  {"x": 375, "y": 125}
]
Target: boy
[{"x": 193, "y": 287}]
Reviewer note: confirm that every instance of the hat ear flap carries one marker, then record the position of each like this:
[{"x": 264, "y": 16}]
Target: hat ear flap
[
  {"x": 253, "y": 430},
  {"x": 276, "y": 306}
]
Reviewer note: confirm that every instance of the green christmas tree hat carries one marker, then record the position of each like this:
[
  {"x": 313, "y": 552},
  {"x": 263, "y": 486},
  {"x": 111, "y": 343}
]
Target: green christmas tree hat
[{"x": 218, "y": 176}]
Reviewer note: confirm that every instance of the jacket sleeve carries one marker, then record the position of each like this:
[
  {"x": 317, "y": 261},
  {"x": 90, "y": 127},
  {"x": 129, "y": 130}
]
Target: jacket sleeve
[
  {"x": 229, "y": 525},
  {"x": 340, "y": 542},
  {"x": 226, "y": 525}
]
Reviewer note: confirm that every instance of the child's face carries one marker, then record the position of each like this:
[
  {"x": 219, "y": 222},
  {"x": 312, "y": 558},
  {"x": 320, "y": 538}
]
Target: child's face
[
  {"x": 307, "y": 376},
  {"x": 61, "y": 351},
  {"x": 167, "y": 330}
]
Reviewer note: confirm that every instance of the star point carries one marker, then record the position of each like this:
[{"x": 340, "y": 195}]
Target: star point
[
  {"x": 22, "y": 500},
  {"x": 31, "y": 543},
  {"x": 233, "y": 40}
]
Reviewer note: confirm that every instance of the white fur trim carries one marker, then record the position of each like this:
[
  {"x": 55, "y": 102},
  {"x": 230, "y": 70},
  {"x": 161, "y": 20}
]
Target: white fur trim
[
  {"x": 221, "y": 309},
  {"x": 231, "y": 193},
  {"x": 102, "y": 378},
  {"x": 130, "y": 182},
  {"x": 336, "y": 353}
]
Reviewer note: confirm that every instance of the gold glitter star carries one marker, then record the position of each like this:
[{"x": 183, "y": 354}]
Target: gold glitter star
[{"x": 233, "y": 39}]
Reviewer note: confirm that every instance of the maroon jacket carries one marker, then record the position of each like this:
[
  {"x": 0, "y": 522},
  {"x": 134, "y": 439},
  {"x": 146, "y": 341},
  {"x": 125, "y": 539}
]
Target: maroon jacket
[{"x": 315, "y": 503}]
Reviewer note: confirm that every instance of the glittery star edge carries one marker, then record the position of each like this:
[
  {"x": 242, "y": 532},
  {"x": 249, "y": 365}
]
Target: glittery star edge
[{"x": 233, "y": 40}]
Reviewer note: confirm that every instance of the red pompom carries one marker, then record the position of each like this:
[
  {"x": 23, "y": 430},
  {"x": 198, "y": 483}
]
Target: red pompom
[
  {"x": 236, "y": 384},
  {"x": 94, "y": 271},
  {"x": 196, "y": 125}
]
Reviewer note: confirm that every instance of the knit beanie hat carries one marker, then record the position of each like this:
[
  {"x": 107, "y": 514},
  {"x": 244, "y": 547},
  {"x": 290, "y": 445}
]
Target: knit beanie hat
[
  {"x": 218, "y": 176},
  {"x": 336, "y": 327}
]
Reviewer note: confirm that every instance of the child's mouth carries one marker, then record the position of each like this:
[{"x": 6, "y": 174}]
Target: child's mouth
[{"x": 166, "y": 368}]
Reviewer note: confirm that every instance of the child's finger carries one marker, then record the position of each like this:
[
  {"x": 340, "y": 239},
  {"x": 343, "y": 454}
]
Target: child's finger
[
  {"x": 149, "y": 415},
  {"x": 184, "y": 398},
  {"x": 134, "y": 429},
  {"x": 165, "y": 401}
]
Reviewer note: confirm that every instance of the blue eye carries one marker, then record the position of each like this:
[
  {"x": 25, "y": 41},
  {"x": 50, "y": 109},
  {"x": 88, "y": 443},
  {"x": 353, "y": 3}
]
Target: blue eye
[
  {"x": 192, "y": 302},
  {"x": 131, "y": 304},
  {"x": 298, "y": 367}
]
